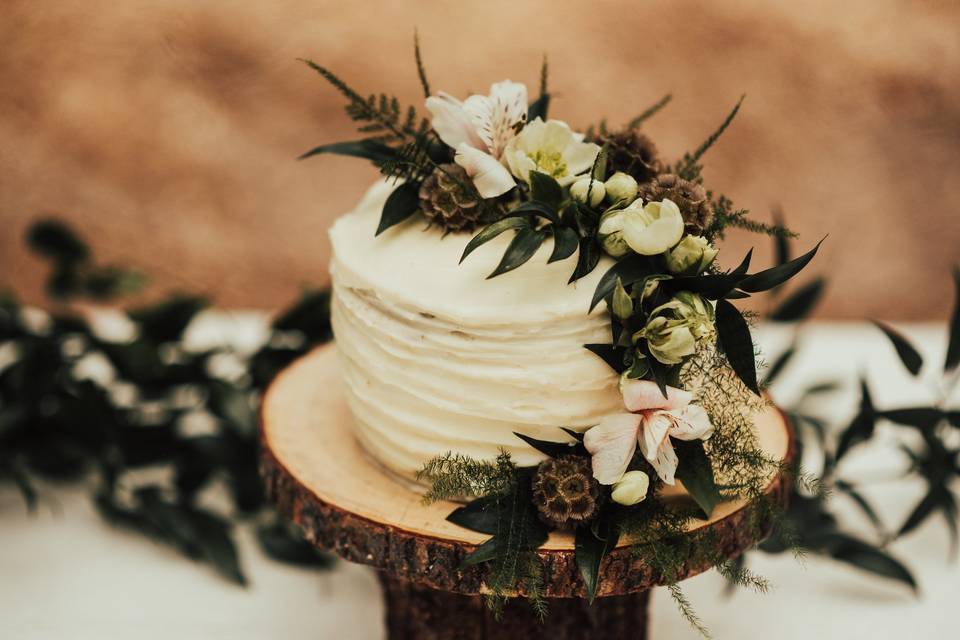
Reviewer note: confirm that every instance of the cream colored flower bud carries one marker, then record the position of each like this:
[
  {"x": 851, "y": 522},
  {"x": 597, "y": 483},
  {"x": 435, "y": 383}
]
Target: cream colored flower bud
[
  {"x": 610, "y": 234},
  {"x": 621, "y": 187},
  {"x": 691, "y": 256},
  {"x": 585, "y": 187},
  {"x": 622, "y": 303},
  {"x": 655, "y": 228},
  {"x": 631, "y": 488}
]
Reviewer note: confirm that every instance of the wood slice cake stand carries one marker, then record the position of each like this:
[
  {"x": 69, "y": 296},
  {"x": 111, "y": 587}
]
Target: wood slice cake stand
[{"x": 319, "y": 476}]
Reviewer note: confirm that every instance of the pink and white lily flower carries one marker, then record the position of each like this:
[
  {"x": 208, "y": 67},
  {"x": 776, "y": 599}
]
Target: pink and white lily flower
[
  {"x": 653, "y": 421},
  {"x": 479, "y": 128}
]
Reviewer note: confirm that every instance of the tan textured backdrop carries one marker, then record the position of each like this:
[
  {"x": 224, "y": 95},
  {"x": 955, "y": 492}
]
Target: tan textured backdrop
[{"x": 167, "y": 131}]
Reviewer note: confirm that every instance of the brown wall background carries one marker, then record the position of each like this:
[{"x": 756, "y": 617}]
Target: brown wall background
[{"x": 166, "y": 131}]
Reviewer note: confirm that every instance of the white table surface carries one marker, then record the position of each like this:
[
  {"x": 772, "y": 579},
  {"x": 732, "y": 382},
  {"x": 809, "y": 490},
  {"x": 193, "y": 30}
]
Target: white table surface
[{"x": 64, "y": 573}]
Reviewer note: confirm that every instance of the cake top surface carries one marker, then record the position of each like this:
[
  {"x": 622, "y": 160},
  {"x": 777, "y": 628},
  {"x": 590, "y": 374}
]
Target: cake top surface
[{"x": 419, "y": 268}]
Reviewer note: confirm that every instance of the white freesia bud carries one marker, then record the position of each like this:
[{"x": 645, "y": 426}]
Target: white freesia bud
[
  {"x": 621, "y": 187},
  {"x": 610, "y": 233},
  {"x": 588, "y": 187},
  {"x": 631, "y": 488},
  {"x": 691, "y": 256},
  {"x": 653, "y": 229},
  {"x": 622, "y": 303}
]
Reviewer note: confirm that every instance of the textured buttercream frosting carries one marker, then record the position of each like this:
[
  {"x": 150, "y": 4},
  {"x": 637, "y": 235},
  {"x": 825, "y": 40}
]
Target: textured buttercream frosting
[{"x": 437, "y": 358}]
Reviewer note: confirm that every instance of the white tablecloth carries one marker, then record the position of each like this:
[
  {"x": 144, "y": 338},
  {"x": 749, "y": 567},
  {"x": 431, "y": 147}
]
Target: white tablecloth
[{"x": 66, "y": 574}]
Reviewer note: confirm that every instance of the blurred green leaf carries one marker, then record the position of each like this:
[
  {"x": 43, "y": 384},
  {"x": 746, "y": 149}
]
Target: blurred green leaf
[
  {"x": 285, "y": 543},
  {"x": 908, "y": 354},
  {"x": 799, "y": 304},
  {"x": 55, "y": 240},
  {"x": 953, "y": 346}
]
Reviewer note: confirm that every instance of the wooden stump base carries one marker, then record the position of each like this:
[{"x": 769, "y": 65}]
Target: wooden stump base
[
  {"x": 318, "y": 475},
  {"x": 415, "y": 612}
]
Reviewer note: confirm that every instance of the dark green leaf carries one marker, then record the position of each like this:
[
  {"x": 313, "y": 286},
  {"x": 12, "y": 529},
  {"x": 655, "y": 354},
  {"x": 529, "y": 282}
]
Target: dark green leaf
[
  {"x": 781, "y": 240},
  {"x": 861, "y": 502},
  {"x": 367, "y": 149},
  {"x": 548, "y": 448},
  {"x": 490, "y": 232},
  {"x": 310, "y": 316},
  {"x": 285, "y": 543},
  {"x": 863, "y": 556},
  {"x": 862, "y": 426},
  {"x": 695, "y": 472},
  {"x": 735, "y": 340},
  {"x": 483, "y": 553},
  {"x": 480, "y": 515},
  {"x": 610, "y": 354},
  {"x": 576, "y": 435},
  {"x": 799, "y": 304},
  {"x": 908, "y": 354},
  {"x": 629, "y": 270},
  {"x": 769, "y": 278},
  {"x": 587, "y": 259},
  {"x": 534, "y": 207},
  {"x": 953, "y": 348},
  {"x": 565, "y": 242},
  {"x": 105, "y": 283},
  {"x": 779, "y": 364},
  {"x": 924, "y": 418},
  {"x": 402, "y": 203},
  {"x": 166, "y": 321},
  {"x": 55, "y": 240},
  {"x": 523, "y": 246},
  {"x": 590, "y": 548},
  {"x": 545, "y": 189}
]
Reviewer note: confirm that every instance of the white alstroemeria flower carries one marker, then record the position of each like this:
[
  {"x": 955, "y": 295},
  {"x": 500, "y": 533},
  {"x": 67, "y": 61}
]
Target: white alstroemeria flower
[
  {"x": 479, "y": 128},
  {"x": 653, "y": 228},
  {"x": 656, "y": 419},
  {"x": 552, "y": 148}
]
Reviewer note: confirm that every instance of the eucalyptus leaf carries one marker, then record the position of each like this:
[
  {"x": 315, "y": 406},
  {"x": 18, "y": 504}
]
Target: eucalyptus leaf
[
  {"x": 909, "y": 356},
  {"x": 490, "y": 232},
  {"x": 523, "y": 246},
  {"x": 734, "y": 338},
  {"x": 403, "y": 202}
]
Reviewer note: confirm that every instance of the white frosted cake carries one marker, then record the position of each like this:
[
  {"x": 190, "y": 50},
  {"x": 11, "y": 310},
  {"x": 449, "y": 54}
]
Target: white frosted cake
[{"x": 437, "y": 358}]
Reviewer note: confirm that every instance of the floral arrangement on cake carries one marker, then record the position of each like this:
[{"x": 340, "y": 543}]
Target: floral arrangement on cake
[{"x": 497, "y": 163}]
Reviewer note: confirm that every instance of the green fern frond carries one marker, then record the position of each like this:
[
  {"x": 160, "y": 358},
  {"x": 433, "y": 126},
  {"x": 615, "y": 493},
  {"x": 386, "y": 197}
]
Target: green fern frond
[
  {"x": 686, "y": 610},
  {"x": 454, "y": 475}
]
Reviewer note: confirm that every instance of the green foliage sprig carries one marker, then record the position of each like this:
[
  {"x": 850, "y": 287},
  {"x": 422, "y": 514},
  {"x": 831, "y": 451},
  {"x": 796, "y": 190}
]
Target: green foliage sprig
[{"x": 58, "y": 423}]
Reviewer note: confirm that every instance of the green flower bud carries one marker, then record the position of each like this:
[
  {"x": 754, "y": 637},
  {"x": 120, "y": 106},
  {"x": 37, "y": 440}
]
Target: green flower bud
[
  {"x": 610, "y": 234},
  {"x": 621, "y": 187},
  {"x": 631, "y": 488},
  {"x": 622, "y": 303},
  {"x": 669, "y": 341},
  {"x": 691, "y": 256},
  {"x": 585, "y": 187},
  {"x": 696, "y": 312}
]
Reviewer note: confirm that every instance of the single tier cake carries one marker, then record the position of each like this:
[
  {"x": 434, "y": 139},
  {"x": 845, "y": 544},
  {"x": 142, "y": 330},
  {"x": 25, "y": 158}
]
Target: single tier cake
[{"x": 437, "y": 358}]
